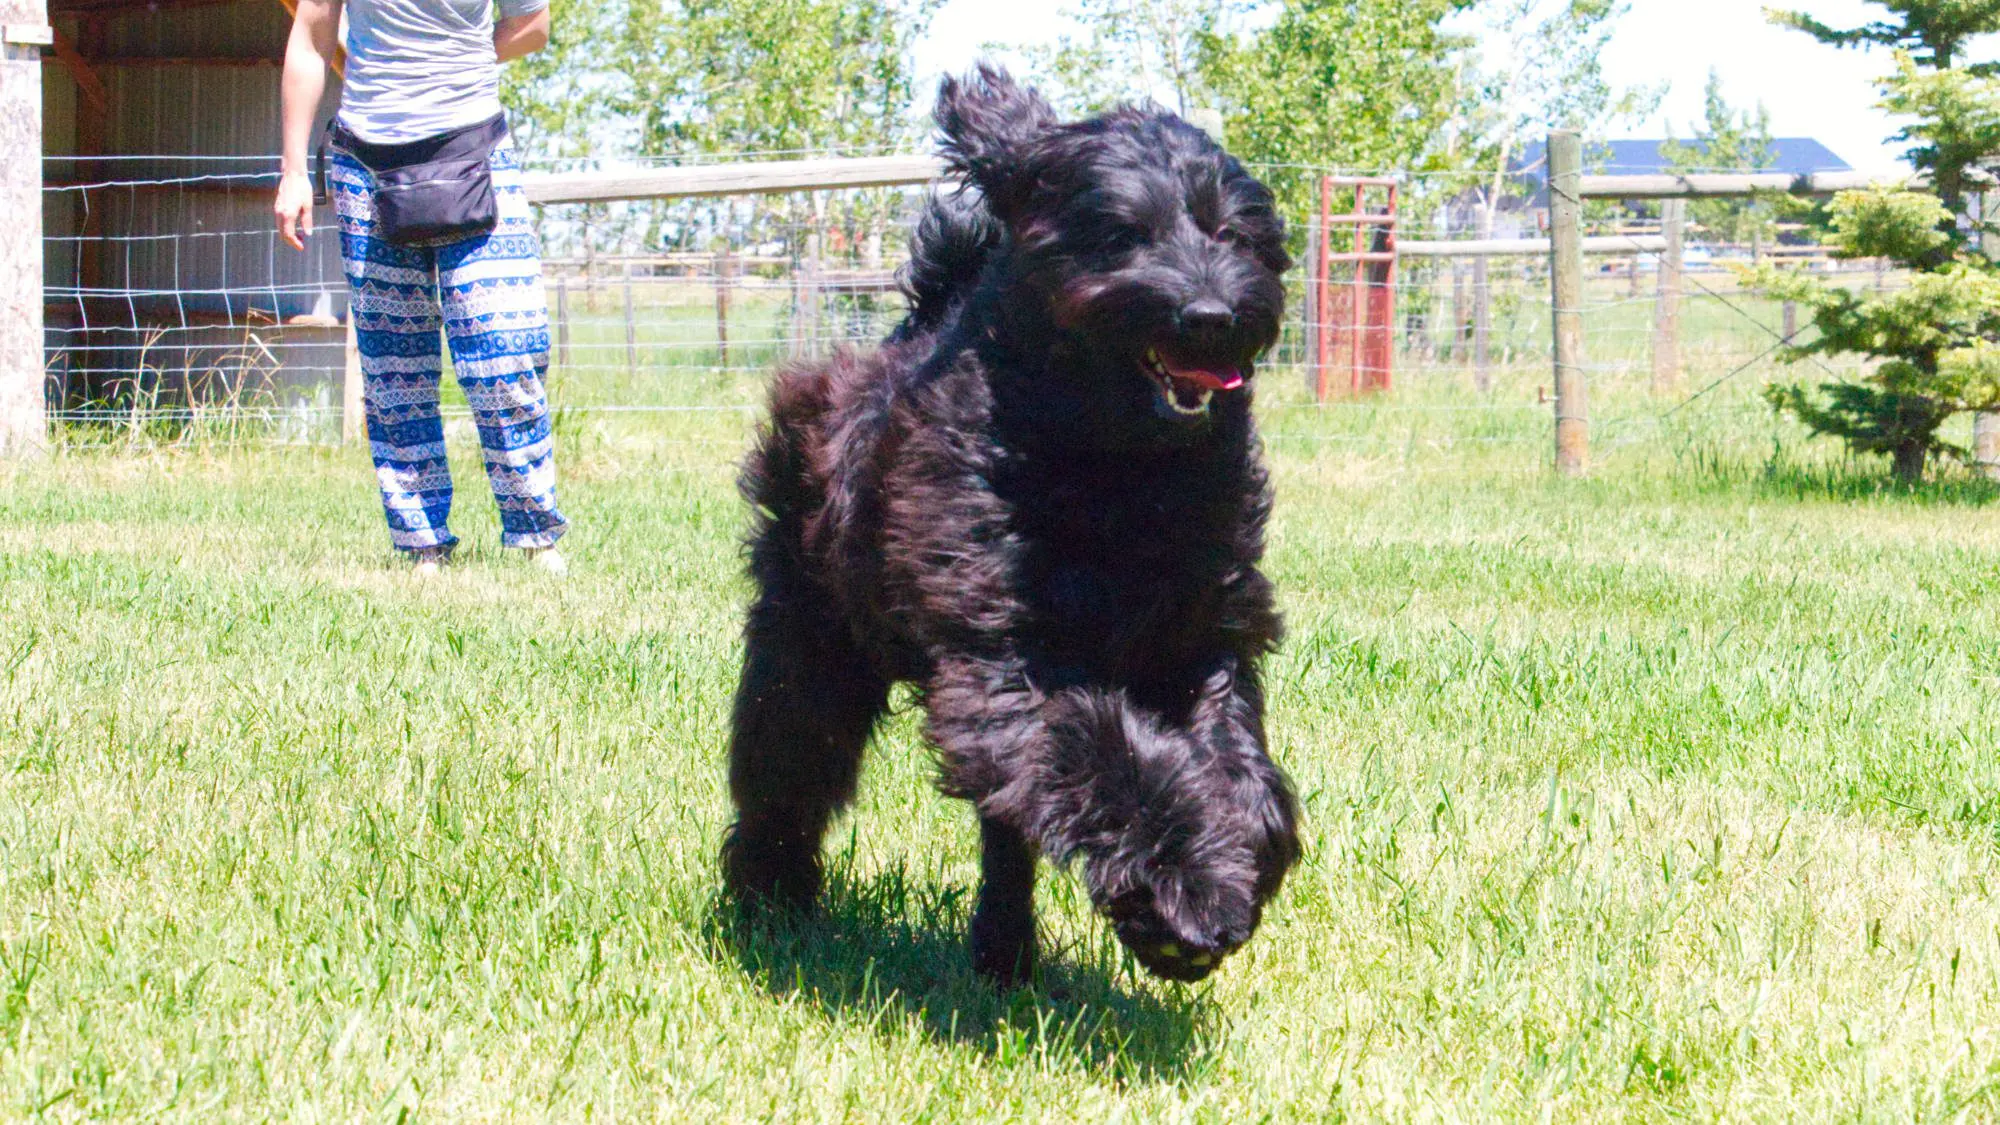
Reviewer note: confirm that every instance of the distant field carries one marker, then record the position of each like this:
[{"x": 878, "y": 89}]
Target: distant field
[{"x": 1668, "y": 793}]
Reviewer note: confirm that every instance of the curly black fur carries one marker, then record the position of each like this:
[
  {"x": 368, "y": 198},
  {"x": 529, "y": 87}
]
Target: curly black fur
[
  {"x": 1042, "y": 502},
  {"x": 955, "y": 236}
]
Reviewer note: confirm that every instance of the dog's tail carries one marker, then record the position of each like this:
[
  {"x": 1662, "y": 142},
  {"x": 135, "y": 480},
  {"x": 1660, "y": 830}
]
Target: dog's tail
[{"x": 950, "y": 246}]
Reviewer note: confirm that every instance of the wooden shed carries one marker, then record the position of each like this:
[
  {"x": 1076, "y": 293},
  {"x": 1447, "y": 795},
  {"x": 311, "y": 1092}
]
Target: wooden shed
[{"x": 163, "y": 281}]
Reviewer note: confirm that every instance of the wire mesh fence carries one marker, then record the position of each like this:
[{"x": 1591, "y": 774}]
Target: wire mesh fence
[
  {"x": 169, "y": 301},
  {"x": 175, "y": 312}
]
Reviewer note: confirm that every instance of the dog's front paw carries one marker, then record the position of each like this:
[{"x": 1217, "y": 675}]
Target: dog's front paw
[
  {"x": 766, "y": 871},
  {"x": 1003, "y": 947}
]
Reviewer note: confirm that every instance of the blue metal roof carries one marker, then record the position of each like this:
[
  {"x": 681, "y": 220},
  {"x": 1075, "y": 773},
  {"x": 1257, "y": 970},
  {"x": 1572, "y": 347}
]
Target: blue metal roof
[
  {"x": 1792, "y": 155},
  {"x": 1795, "y": 155}
]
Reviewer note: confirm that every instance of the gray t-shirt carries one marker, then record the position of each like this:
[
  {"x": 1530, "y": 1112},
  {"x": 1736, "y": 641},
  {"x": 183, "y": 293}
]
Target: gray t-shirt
[{"x": 417, "y": 68}]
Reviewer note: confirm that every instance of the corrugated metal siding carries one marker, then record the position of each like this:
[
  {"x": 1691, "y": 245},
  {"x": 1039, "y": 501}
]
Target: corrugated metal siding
[
  {"x": 58, "y": 208},
  {"x": 247, "y": 29},
  {"x": 211, "y": 254},
  {"x": 194, "y": 111}
]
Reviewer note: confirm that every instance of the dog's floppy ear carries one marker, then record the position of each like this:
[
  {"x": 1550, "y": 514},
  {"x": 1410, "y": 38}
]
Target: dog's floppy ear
[{"x": 990, "y": 123}]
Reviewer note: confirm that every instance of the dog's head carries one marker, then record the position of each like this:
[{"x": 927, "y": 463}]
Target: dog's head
[
  {"x": 1149, "y": 245},
  {"x": 1180, "y": 845}
]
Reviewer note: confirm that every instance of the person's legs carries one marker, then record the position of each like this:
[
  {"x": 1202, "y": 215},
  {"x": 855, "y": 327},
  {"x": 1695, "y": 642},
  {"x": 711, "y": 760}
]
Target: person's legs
[
  {"x": 393, "y": 301},
  {"x": 497, "y": 319}
]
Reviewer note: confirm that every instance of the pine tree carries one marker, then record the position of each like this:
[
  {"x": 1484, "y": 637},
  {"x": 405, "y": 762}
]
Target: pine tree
[{"x": 1932, "y": 343}]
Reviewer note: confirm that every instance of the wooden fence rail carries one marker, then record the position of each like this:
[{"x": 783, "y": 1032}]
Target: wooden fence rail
[
  {"x": 751, "y": 178},
  {"x": 828, "y": 173},
  {"x": 1527, "y": 247},
  {"x": 1733, "y": 185}
]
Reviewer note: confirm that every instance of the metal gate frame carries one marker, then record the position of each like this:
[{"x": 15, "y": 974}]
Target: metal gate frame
[{"x": 1370, "y": 308}]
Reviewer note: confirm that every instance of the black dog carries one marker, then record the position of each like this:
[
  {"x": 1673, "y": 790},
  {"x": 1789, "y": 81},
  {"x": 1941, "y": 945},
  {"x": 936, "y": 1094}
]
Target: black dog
[{"x": 1041, "y": 501}]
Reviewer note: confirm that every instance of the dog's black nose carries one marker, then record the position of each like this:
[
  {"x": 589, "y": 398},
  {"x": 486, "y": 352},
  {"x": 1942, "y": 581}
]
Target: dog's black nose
[{"x": 1206, "y": 315}]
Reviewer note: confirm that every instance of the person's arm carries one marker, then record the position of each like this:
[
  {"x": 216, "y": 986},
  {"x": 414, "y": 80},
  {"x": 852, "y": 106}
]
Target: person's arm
[
  {"x": 516, "y": 37},
  {"x": 308, "y": 53}
]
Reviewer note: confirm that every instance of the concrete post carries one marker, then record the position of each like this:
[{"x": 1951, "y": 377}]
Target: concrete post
[{"x": 23, "y": 408}]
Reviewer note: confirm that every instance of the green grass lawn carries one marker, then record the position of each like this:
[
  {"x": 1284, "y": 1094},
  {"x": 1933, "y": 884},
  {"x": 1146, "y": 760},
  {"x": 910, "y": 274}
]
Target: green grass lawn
[{"x": 1668, "y": 793}]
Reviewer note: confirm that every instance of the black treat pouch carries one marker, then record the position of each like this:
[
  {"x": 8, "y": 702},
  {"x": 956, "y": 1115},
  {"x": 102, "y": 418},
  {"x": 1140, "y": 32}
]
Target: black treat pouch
[{"x": 439, "y": 189}]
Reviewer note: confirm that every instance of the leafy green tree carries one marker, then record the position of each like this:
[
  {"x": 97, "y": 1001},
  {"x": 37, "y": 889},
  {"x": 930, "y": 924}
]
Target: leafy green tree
[
  {"x": 1930, "y": 345},
  {"x": 1933, "y": 31},
  {"x": 1731, "y": 140},
  {"x": 1549, "y": 77},
  {"x": 666, "y": 79},
  {"x": 561, "y": 100},
  {"x": 1546, "y": 74},
  {"x": 768, "y": 78},
  {"x": 1131, "y": 49},
  {"x": 1363, "y": 84},
  {"x": 771, "y": 76}
]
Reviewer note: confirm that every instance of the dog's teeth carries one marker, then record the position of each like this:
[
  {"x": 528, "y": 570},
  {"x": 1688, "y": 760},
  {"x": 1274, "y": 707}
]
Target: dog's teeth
[{"x": 1201, "y": 401}]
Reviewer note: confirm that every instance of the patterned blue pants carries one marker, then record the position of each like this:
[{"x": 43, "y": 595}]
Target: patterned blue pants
[{"x": 485, "y": 292}]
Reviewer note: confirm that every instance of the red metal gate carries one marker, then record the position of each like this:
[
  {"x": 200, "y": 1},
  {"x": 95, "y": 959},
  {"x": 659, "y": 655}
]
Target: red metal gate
[{"x": 1356, "y": 326}]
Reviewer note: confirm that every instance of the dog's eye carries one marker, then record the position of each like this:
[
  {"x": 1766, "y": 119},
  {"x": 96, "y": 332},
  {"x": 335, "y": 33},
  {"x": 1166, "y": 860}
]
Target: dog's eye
[{"x": 1124, "y": 236}]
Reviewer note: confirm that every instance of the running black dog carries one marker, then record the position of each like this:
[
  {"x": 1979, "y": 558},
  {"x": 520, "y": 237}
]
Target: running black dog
[{"x": 1041, "y": 501}]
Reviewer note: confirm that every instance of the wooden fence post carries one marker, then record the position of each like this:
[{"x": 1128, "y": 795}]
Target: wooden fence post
[
  {"x": 1667, "y": 305},
  {"x": 562, "y": 323},
  {"x": 1989, "y": 224},
  {"x": 1482, "y": 325},
  {"x": 1309, "y": 307},
  {"x": 23, "y": 405},
  {"x": 589, "y": 266},
  {"x": 722, "y": 265},
  {"x": 631, "y": 326},
  {"x": 1986, "y": 444},
  {"x": 812, "y": 287},
  {"x": 353, "y": 414},
  {"x": 1565, "y": 149},
  {"x": 1460, "y": 316}
]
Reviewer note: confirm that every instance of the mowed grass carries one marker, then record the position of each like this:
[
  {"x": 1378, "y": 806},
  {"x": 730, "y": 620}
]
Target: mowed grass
[{"x": 1667, "y": 793}]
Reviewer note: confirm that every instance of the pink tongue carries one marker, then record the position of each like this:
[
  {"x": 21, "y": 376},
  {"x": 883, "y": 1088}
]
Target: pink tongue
[{"x": 1227, "y": 379}]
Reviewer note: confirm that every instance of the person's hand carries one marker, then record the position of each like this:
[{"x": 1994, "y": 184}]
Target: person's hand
[{"x": 294, "y": 208}]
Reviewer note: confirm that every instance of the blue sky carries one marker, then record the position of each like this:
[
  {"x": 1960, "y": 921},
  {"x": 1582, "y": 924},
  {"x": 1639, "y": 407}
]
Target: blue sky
[{"x": 1811, "y": 90}]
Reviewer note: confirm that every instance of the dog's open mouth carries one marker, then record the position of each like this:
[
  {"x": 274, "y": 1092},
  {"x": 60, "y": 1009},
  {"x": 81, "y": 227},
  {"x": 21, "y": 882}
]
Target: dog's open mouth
[{"x": 1186, "y": 387}]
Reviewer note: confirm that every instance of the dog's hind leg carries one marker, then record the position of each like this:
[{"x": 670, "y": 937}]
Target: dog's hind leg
[
  {"x": 804, "y": 708},
  {"x": 1003, "y": 926}
]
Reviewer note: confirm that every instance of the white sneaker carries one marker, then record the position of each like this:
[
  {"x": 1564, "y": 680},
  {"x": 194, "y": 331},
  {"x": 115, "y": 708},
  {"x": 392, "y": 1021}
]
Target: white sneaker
[
  {"x": 549, "y": 559},
  {"x": 425, "y": 565}
]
